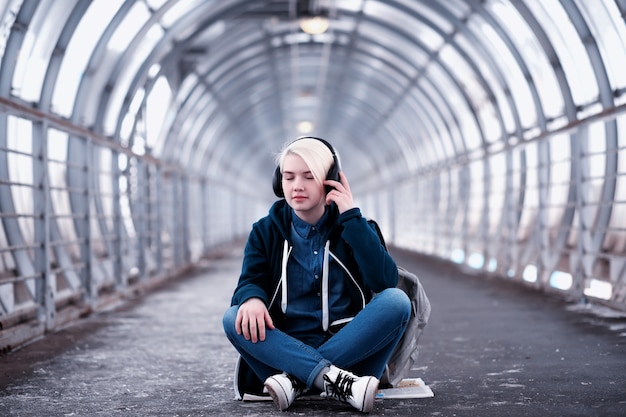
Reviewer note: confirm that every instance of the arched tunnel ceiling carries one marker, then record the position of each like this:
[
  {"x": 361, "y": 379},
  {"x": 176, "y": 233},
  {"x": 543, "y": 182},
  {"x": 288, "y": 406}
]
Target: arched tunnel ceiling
[
  {"x": 268, "y": 76},
  {"x": 137, "y": 135},
  {"x": 400, "y": 87}
]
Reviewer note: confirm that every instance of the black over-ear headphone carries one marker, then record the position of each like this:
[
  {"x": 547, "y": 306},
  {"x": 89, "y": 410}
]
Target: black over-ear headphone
[{"x": 333, "y": 172}]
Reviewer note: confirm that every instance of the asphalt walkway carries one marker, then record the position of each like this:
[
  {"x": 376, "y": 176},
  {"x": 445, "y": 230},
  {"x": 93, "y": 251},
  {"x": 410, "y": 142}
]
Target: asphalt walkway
[{"x": 490, "y": 349}]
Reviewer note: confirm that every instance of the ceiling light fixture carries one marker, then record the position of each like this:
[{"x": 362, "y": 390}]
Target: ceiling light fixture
[
  {"x": 314, "y": 25},
  {"x": 305, "y": 127}
]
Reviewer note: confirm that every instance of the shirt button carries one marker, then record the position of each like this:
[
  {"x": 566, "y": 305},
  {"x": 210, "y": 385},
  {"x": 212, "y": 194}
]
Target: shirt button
[
  {"x": 314, "y": 252},
  {"x": 317, "y": 276}
]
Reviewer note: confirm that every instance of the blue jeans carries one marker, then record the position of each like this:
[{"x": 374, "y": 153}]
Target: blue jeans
[{"x": 363, "y": 346}]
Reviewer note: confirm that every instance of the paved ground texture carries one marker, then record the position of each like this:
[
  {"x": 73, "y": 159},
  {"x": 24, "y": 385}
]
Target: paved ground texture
[{"x": 491, "y": 349}]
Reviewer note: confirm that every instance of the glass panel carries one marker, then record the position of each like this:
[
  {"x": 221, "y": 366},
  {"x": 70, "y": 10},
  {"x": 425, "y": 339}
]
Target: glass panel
[
  {"x": 593, "y": 173},
  {"x": 446, "y": 214},
  {"x": 181, "y": 8},
  {"x": 534, "y": 57},
  {"x": 508, "y": 70},
  {"x": 157, "y": 105},
  {"x": 125, "y": 78},
  {"x": 397, "y": 51},
  {"x": 444, "y": 23},
  {"x": 442, "y": 118},
  {"x": 8, "y": 13},
  {"x": 596, "y": 150},
  {"x": 105, "y": 184},
  {"x": 394, "y": 17},
  {"x": 126, "y": 182},
  {"x": 195, "y": 128},
  {"x": 352, "y": 5},
  {"x": 129, "y": 120},
  {"x": 7, "y": 264},
  {"x": 467, "y": 121},
  {"x": 456, "y": 201},
  {"x": 443, "y": 101},
  {"x": 187, "y": 93},
  {"x": 35, "y": 52},
  {"x": 514, "y": 193},
  {"x": 59, "y": 196},
  {"x": 569, "y": 48},
  {"x": 515, "y": 79},
  {"x": 19, "y": 139},
  {"x": 458, "y": 8},
  {"x": 420, "y": 129},
  {"x": 530, "y": 204},
  {"x": 615, "y": 241},
  {"x": 560, "y": 180},
  {"x": 31, "y": 65},
  {"x": 497, "y": 193},
  {"x": 607, "y": 26},
  {"x": 133, "y": 21},
  {"x": 476, "y": 199},
  {"x": 156, "y": 4},
  {"x": 437, "y": 137},
  {"x": 78, "y": 52}
]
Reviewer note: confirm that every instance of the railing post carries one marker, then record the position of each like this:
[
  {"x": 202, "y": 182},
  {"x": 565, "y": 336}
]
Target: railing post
[{"x": 45, "y": 282}]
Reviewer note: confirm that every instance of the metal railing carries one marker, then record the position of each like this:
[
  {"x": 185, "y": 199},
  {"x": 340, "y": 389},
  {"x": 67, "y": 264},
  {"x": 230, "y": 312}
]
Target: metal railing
[
  {"x": 541, "y": 219},
  {"x": 91, "y": 222}
]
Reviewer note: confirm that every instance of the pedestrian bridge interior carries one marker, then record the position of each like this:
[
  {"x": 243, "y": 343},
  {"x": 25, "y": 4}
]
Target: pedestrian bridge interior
[{"x": 139, "y": 136}]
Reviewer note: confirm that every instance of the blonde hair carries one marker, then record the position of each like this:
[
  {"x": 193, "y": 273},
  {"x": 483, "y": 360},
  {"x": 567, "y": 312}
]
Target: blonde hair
[{"x": 315, "y": 154}]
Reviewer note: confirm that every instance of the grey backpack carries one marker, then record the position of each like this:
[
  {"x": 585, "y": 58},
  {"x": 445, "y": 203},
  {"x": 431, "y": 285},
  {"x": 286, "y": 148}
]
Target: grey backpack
[{"x": 405, "y": 355}]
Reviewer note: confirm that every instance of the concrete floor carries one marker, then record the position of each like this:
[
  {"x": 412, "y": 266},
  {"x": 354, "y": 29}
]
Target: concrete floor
[{"x": 491, "y": 349}]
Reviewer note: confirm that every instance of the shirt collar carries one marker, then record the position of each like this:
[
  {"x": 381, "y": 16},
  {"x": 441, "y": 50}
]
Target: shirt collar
[{"x": 306, "y": 230}]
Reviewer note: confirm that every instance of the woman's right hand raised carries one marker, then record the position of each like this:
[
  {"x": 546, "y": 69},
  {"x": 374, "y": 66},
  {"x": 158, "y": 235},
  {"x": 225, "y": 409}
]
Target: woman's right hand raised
[{"x": 252, "y": 320}]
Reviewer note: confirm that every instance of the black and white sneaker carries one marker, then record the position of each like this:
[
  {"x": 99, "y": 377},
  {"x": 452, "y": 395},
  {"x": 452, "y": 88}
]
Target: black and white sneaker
[
  {"x": 283, "y": 389},
  {"x": 359, "y": 392}
]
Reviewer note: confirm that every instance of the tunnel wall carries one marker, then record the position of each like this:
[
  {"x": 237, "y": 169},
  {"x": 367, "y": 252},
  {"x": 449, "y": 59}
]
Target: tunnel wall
[
  {"x": 487, "y": 133},
  {"x": 548, "y": 213},
  {"x": 88, "y": 223}
]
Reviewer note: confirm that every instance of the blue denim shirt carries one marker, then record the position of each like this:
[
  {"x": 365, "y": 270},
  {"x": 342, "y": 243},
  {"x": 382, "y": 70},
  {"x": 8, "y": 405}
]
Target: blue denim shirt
[{"x": 304, "y": 278}]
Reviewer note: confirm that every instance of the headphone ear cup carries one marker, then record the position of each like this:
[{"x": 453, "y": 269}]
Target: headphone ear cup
[
  {"x": 333, "y": 172},
  {"x": 277, "y": 185}
]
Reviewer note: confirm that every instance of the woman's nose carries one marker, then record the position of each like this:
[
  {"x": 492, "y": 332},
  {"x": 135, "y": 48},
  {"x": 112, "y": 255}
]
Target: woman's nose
[{"x": 298, "y": 184}]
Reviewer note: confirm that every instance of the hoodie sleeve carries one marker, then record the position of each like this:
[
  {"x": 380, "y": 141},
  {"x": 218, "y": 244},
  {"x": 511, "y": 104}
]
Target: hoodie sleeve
[
  {"x": 256, "y": 272},
  {"x": 377, "y": 267}
]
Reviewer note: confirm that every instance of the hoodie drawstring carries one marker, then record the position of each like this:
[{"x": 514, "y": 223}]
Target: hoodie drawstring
[
  {"x": 283, "y": 277},
  {"x": 325, "y": 274},
  {"x": 325, "y": 313}
]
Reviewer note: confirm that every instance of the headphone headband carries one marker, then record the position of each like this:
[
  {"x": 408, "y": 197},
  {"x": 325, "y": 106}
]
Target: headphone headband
[{"x": 324, "y": 141}]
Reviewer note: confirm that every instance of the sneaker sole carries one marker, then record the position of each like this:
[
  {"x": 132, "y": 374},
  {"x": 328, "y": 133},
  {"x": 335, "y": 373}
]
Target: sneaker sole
[
  {"x": 276, "y": 398},
  {"x": 370, "y": 395}
]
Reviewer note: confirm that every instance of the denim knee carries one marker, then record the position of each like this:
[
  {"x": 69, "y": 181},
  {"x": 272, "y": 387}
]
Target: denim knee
[
  {"x": 228, "y": 321},
  {"x": 396, "y": 302}
]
